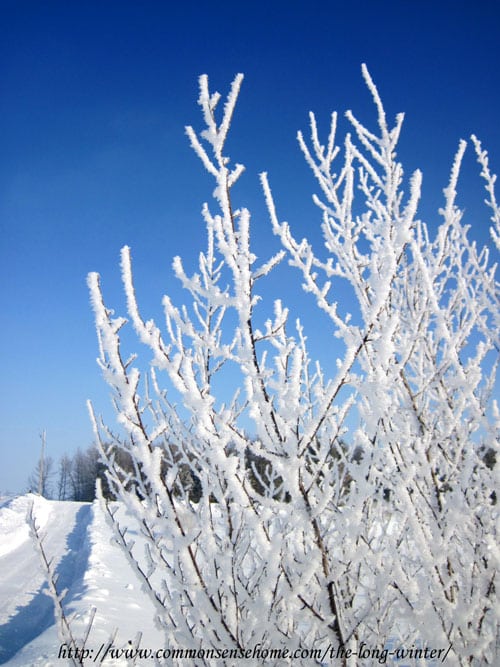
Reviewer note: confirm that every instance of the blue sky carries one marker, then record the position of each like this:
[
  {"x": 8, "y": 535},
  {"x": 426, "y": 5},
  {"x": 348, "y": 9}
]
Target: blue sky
[{"x": 94, "y": 97}]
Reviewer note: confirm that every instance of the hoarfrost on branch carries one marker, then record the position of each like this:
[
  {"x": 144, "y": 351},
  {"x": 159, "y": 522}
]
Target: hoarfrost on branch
[{"x": 297, "y": 509}]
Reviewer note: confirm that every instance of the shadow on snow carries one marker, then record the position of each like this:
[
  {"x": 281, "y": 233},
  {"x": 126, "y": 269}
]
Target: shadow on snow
[{"x": 34, "y": 618}]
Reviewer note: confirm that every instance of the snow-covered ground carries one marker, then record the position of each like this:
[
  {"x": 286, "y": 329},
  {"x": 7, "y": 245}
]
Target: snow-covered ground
[{"x": 92, "y": 569}]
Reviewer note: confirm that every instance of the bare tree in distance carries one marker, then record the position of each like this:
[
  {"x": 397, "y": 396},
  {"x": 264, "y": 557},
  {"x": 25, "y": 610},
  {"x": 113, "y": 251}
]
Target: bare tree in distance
[
  {"x": 64, "y": 478},
  {"x": 40, "y": 480}
]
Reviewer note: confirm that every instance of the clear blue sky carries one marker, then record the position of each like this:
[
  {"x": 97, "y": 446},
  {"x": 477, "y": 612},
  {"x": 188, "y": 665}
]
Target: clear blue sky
[{"x": 94, "y": 97}]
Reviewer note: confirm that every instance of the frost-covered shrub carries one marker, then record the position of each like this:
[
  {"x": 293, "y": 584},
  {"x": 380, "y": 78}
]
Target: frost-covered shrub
[{"x": 388, "y": 539}]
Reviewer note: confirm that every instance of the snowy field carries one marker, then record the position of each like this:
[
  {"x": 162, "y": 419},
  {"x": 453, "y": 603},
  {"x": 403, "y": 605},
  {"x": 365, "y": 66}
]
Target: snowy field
[
  {"x": 99, "y": 582},
  {"x": 92, "y": 569}
]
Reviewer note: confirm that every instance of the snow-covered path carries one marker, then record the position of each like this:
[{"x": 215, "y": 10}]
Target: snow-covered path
[
  {"x": 25, "y": 609},
  {"x": 93, "y": 571}
]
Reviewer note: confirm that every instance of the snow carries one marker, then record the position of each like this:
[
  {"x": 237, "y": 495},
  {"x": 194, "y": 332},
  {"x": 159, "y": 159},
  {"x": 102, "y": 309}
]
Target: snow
[{"x": 92, "y": 569}]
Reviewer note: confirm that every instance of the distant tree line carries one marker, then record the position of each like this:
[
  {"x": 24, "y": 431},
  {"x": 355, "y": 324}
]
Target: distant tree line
[{"x": 74, "y": 478}]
